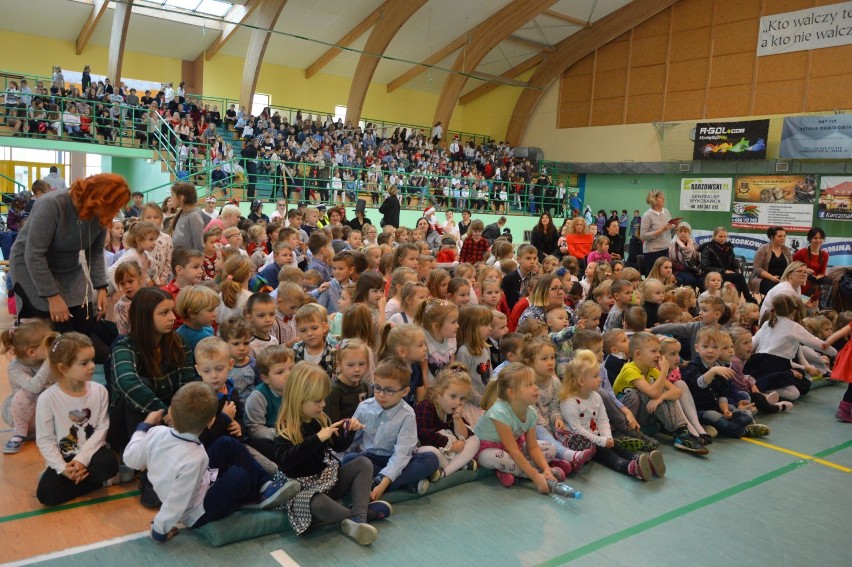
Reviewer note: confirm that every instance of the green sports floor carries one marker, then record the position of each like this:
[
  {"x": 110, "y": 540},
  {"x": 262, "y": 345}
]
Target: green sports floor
[{"x": 787, "y": 503}]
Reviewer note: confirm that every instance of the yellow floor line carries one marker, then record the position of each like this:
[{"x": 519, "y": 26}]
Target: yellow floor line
[{"x": 798, "y": 455}]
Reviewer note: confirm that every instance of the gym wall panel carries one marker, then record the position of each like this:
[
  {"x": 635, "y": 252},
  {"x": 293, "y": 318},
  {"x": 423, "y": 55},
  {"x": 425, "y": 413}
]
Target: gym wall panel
[
  {"x": 701, "y": 55},
  {"x": 607, "y": 111}
]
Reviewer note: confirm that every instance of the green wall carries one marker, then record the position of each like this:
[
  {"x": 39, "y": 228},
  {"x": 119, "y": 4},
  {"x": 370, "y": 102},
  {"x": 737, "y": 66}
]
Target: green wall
[{"x": 142, "y": 176}]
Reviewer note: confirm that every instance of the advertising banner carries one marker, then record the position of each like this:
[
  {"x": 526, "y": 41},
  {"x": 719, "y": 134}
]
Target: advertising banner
[
  {"x": 839, "y": 248},
  {"x": 835, "y": 198},
  {"x": 730, "y": 141},
  {"x": 705, "y": 194},
  {"x": 761, "y": 201},
  {"x": 811, "y": 28},
  {"x": 817, "y": 137}
]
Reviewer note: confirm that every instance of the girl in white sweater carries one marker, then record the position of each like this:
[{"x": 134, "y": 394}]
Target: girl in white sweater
[
  {"x": 72, "y": 423},
  {"x": 777, "y": 344}
]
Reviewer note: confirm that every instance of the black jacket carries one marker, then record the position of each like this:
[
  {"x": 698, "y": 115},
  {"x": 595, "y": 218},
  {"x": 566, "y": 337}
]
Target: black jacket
[
  {"x": 544, "y": 243},
  {"x": 390, "y": 211},
  {"x": 717, "y": 258},
  {"x": 511, "y": 286},
  {"x": 306, "y": 458},
  {"x": 491, "y": 232}
]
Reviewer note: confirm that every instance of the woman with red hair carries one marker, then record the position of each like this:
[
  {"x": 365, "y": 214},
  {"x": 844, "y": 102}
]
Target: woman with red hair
[{"x": 51, "y": 281}]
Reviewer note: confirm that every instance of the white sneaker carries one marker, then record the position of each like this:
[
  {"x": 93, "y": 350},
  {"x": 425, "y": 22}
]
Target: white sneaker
[
  {"x": 362, "y": 532},
  {"x": 772, "y": 397}
]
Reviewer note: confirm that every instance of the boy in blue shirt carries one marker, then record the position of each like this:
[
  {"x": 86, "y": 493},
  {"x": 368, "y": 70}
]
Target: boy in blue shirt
[
  {"x": 342, "y": 268},
  {"x": 196, "y": 305},
  {"x": 389, "y": 437}
]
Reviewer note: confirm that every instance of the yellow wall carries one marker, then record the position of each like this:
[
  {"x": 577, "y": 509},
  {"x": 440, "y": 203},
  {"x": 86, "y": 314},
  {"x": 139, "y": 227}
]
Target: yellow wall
[
  {"x": 38, "y": 54},
  {"x": 286, "y": 85}
]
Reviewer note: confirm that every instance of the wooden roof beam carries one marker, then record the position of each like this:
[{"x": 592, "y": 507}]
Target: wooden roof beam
[
  {"x": 98, "y": 10},
  {"x": 483, "y": 38},
  {"x": 394, "y": 16},
  {"x": 234, "y": 19},
  {"x": 267, "y": 17},
  {"x": 537, "y": 45},
  {"x": 489, "y": 86},
  {"x": 573, "y": 49},
  {"x": 433, "y": 59},
  {"x": 346, "y": 40},
  {"x": 117, "y": 39},
  {"x": 568, "y": 19}
]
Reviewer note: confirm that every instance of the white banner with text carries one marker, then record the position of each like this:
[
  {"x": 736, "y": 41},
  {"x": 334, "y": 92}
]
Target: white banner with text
[{"x": 812, "y": 28}]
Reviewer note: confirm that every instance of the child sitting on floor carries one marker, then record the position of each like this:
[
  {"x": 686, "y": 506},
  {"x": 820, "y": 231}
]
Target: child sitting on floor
[
  {"x": 305, "y": 444},
  {"x": 181, "y": 470}
]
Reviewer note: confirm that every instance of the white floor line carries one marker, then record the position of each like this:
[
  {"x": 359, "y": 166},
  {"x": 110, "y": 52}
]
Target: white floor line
[
  {"x": 76, "y": 550},
  {"x": 283, "y": 559}
]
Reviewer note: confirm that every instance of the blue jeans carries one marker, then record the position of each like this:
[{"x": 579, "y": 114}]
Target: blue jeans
[
  {"x": 421, "y": 466},
  {"x": 733, "y": 427},
  {"x": 239, "y": 481},
  {"x": 562, "y": 452}
]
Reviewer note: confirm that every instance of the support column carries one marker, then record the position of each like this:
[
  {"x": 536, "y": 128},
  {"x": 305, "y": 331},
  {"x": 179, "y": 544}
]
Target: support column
[
  {"x": 267, "y": 18},
  {"x": 120, "y": 21}
]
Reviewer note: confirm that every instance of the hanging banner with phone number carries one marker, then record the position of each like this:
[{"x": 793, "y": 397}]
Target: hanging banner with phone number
[
  {"x": 761, "y": 201},
  {"x": 705, "y": 194}
]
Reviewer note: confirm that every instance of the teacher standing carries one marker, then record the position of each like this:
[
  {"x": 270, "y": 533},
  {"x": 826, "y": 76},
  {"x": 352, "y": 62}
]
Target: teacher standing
[
  {"x": 51, "y": 282},
  {"x": 656, "y": 229}
]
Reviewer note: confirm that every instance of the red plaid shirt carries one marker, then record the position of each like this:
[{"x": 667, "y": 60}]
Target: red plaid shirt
[{"x": 474, "y": 252}]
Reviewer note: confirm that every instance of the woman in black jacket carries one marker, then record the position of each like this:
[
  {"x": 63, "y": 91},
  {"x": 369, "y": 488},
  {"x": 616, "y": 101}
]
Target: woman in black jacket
[
  {"x": 544, "y": 236},
  {"x": 390, "y": 208},
  {"x": 717, "y": 255},
  {"x": 616, "y": 241}
]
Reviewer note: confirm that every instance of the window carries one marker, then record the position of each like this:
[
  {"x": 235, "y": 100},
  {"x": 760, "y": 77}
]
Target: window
[
  {"x": 209, "y": 7},
  {"x": 259, "y": 102},
  {"x": 339, "y": 113},
  {"x": 93, "y": 164}
]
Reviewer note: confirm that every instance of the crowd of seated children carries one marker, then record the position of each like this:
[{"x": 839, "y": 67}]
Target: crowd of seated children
[{"x": 348, "y": 380}]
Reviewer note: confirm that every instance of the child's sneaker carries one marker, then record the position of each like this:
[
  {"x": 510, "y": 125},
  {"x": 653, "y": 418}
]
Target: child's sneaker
[
  {"x": 437, "y": 475},
  {"x": 379, "y": 510},
  {"x": 705, "y": 438},
  {"x": 772, "y": 397},
  {"x": 784, "y": 407},
  {"x": 686, "y": 443},
  {"x": 711, "y": 431},
  {"x": 564, "y": 466},
  {"x": 640, "y": 467},
  {"x": 651, "y": 444},
  {"x": 756, "y": 430},
  {"x": 362, "y": 532},
  {"x": 422, "y": 487},
  {"x": 278, "y": 492},
  {"x": 125, "y": 474},
  {"x": 506, "y": 479},
  {"x": 632, "y": 444},
  {"x": 658, "y": 466},
  {"x": 583, "y": 457},
  {"x": 13, "y": 445},
  {"x": 472, "y": 465}
]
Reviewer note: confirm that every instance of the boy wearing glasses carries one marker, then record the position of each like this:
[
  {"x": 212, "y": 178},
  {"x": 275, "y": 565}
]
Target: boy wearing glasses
[{"x": 389, "y": 437}]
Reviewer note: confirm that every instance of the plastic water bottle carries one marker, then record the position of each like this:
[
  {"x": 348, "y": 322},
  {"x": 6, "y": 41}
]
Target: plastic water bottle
[{"x": 563, "y": 490}]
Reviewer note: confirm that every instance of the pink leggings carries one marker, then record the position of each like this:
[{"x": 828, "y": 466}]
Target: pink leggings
[
  {"x": 23, "y": 413},
  {"x": 495, "y": 456}
]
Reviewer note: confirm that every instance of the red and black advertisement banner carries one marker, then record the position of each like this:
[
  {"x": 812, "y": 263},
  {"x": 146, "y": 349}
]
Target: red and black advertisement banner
[{"x": 730, "y": 141}]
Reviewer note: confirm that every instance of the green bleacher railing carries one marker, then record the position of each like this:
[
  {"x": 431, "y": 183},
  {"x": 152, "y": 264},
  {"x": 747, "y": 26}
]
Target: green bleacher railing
[{"x": 223, "y": 103}]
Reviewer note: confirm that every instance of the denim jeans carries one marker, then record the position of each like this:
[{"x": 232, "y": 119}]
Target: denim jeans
[
  {"x": 421, "y": 466},
  {"x": 732, "y": 427}
]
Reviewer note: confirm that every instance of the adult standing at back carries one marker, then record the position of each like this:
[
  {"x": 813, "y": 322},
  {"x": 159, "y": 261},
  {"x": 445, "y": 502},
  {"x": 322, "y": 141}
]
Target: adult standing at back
[
  {"x": 770, "y": 261},
  {"x": 390, "y": 208},
  {"x": 656, "y": 229},
  {"x": 544, "y": 236},
  {"x": 188, "y": 223},
  {"x": 50, "y": 280},
  {"x": 55, "y": 180}
]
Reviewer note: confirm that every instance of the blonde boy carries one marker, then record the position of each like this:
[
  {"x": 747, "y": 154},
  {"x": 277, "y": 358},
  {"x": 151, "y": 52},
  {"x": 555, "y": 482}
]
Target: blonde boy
[
  {"x": 315, "y": 344},
  {"x": 289, "y": 297},
  {"x": 196, "y": 305},
  {"x": 260, "y": 313}
]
